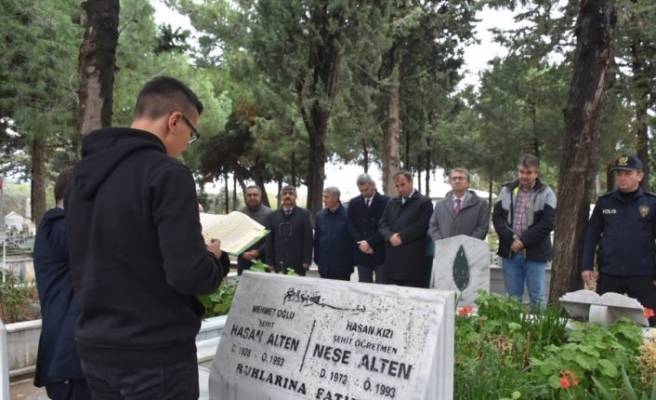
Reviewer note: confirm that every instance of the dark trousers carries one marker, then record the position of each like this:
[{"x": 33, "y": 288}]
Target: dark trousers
[
  {"x": 407, "y": 283},
  {"x": 71, "y": 389},
  {"x": 178, "y": 381},
  {"x": 335, "y": 277},
  {"x": 639, "y": 287},
  {"x": 366, "y": 273}
]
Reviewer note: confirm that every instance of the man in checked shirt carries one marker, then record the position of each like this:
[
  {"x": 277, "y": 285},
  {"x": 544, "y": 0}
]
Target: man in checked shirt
[{"x": 524, "y": 217}]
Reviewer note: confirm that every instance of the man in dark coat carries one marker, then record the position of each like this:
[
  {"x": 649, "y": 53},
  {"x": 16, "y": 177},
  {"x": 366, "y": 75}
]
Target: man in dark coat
[
  {"x": 404, "y": 226},
  {"x": 333, "y": 251},
  {"x": 260, "y": 213},
  {"x": 289, "y": 245},
  {"x": 57, "y": 364},
  {"x": 364, "y": 213}
]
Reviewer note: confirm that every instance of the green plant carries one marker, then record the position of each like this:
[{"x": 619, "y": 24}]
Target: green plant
[
  {"x": 626, "y": 391},
  {"x": 495, "y": 345},
  {"x": 593, "y": 352},
  {"x": 18, "y": 299},
  {"x": 219, "y": 302}
]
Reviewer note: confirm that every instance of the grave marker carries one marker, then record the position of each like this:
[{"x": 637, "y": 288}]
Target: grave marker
[
  {"x": 461, "y": 264},
  {"x": 304, "y": 338}
]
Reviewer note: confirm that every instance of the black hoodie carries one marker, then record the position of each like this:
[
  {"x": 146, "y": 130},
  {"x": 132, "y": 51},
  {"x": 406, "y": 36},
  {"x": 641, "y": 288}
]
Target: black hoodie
[{"x": 136, "y": 251}]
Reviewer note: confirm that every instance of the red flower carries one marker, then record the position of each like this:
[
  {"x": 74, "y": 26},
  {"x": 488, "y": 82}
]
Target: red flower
[
  {"x": 565, "y": 383},
  {"x": 648, "y": 312},
  {"x": 465, "y": 311},
  {"x": 568, "y": 378}
]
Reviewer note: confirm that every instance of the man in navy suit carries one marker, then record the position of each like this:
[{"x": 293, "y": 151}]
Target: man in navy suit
[
  {"x": 57, "y": 364},
  {"x": 364, "y": 212}
]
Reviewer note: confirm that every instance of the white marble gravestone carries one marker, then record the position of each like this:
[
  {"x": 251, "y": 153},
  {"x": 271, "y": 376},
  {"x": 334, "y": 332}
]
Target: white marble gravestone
[
  {"x": 604, "y": 309},
  {"x": 461, "y": 264},
  {"x": 305, "y": 338}
]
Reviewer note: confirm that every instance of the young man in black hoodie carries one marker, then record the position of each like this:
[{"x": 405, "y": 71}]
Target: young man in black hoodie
[{"x": 137, "y": 255}]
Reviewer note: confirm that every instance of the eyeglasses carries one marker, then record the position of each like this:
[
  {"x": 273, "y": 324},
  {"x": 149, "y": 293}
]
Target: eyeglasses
[
  {"x": 458, "y": 178},
  {"x": 194, "y": 133}
]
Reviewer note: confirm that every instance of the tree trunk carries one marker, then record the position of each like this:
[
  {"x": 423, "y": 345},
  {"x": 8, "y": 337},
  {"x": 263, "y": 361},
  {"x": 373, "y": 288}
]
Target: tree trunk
[
  {"x": 594, "y": 31},
  {"x": 226, "y": 187},
  {"x": 391, "y": 148},
  {"x": 316, "y": 171},
  {"x": 365, "y": 156},
  {"x": 38, "y": 190},
  {"x": 97, "y": 63}
]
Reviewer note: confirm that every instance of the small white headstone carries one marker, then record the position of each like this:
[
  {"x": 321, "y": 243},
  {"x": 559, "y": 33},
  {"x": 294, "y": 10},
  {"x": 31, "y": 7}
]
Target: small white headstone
[
  {"x": 461, "y": 264},
  {"x": 304, "y": 338},
  {"x": 604, "y": 309}
]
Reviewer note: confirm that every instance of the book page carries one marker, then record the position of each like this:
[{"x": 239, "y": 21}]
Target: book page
[{"x": 237, "y": 231}]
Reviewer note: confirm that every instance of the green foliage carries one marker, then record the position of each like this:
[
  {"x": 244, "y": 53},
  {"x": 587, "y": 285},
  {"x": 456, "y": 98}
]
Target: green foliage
[
  {"x": 219, "y": 302},
  {"x": 18, "y": 299},
  {"x": 503, "y": 352},
  {"x": 592, "y": 351},
  {"x": 494, "y": 347},
  {"x": 625, "y": 392}
]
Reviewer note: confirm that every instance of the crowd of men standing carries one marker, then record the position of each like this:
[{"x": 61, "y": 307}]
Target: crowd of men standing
[{"x": 389, "y": 240}]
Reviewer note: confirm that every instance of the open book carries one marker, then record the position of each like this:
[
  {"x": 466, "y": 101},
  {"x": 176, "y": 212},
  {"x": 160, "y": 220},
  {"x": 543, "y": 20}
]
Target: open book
[{"x": 236, "y": 231}]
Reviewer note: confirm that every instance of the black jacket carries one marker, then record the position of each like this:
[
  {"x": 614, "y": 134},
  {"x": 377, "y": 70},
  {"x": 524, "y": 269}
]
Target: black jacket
[
  {"x": 625, "y": 232},
  {"x": 57, "y": 358},
  {"x": 289, "y": 245},
  {"x": 363, "y": 225},
  {"x": 333, "y": 251},
  {"x": 137, "y": 254},
  {"x": 541, "y": 220},
  {"x": 409, "y": 261}
]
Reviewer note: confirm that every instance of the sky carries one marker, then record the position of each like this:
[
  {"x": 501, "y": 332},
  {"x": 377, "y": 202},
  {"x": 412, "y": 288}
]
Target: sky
[{"x": 343, "y": 176}]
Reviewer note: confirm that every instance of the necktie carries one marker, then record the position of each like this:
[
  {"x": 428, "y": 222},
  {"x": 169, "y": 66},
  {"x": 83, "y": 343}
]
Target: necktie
[
  {"x": 287, "y": 212},
  {"x": 457, "y": 208},
  {"x": 367, "y": 202}
]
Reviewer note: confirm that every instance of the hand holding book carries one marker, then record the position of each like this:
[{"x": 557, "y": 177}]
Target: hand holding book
[{"x": 236, "y": 231}]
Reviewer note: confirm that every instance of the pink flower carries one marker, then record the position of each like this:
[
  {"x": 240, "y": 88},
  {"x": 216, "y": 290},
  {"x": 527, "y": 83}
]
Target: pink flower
[
  {"x": 565, "y": 383},
  {"x": 648, "y": 312}
]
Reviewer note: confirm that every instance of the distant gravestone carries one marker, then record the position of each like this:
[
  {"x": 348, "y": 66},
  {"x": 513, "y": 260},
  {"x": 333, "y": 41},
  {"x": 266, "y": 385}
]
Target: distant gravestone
[
  {"x": 604, "y": 309},
  {"x": 461, "y": 264},
  {"x": 304, "y": 338}
]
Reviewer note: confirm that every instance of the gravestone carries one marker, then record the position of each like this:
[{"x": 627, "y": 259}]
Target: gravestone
[
  {"x": 305, "y": 338},
  {"x": 605, "y": 309},
  {"x": 461, "y": 264}
]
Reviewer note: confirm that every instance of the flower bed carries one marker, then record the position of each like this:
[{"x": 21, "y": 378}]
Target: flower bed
[{"x": 502, "y": 352}]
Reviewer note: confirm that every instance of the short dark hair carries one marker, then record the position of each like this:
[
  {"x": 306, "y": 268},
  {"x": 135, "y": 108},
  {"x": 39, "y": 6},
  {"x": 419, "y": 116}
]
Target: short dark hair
[
  {"x": 164, "y": 94},
  {"x": 62, "y": 182},
  {"x": 249, "y": 187},
  {"x": 529, "y": 161},
  {"x": 403, "y": 172}
]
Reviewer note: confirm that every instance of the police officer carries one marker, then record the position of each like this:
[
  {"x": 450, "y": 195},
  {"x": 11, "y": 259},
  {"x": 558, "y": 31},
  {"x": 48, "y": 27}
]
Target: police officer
[{"x": 623, "y": 223}]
